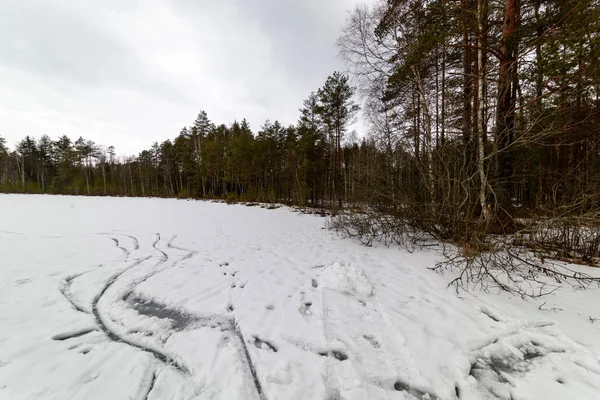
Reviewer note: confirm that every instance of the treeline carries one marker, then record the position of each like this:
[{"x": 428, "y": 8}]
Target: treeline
[
  {"x": 487, "y": 116},
  {"x": 483, "y": 110},
  {"x": 309, "y": 163},
  {"x": 480, "y": 111}
]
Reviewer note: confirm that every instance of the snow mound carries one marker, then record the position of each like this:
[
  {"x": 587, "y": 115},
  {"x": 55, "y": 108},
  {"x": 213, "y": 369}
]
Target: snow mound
[{"x": 346, "y": 278}]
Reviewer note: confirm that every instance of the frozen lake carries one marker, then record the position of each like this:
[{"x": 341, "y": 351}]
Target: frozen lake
[{"x": 115, "y": 298}]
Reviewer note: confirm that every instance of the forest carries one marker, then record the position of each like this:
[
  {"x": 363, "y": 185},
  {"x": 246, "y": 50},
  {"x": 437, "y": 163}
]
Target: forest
[
  {"x": 483, "y": 119},
  {"x": 301, "y": 164}
]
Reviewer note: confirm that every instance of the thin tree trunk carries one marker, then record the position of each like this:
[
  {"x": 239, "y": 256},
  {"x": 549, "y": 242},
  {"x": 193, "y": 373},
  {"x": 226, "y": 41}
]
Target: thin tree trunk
[
  {"x": 480, "y": 118},
  {"x": 443, "y": 100},
  {"x": 141, "y": 179},
  {"x": 131, "y": 179},
  {"x": 467, "y": 86},
  {"x": 428, "y": 149},
  {"x": 104, "y": 176}
]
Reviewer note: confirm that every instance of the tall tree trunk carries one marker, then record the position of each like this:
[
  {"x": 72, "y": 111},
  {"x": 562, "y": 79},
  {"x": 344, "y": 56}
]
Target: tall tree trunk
[
  {"x": 416, "y": 126},
  {"x": 467, "y": 76},
  {"x": 505, "y": 110},
  {"x": 480, "y": 117},
  {"x": 539, "y": 67},
  {"x": 87, "y": 178},
  {"x": 443, "y": 105},
  {"x": 141, "y": 179},
  {"x": 131, "y": 179},
  {"x": 339, "y": 162},
  {"x": 437, "y": 97},
  {"x": 23, "y": 171},
  {"x": 428, "y": 149},
  {"x": 104, "y": 176}
]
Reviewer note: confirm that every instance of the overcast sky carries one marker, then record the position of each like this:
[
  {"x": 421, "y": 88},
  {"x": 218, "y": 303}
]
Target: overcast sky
[{"x": 128, "y": 73}]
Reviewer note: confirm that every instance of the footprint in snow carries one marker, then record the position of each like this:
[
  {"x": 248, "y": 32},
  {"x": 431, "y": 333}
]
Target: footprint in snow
[
  {"x": 305, "y": 308},
  {"x": 371, "y": 340},
  {"x": 401, "y": 386},
  {"x": 338, "y": 355},
  {"x": 264, "y": 344}
]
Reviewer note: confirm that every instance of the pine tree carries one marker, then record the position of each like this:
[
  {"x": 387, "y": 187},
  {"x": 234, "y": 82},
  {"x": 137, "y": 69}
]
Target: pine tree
[
  {"x": 27, "y": 152},
  {"x": 3, "y": 162},
  {"x": 337, "y": 109},
  {"x": 3, "y": 149}
]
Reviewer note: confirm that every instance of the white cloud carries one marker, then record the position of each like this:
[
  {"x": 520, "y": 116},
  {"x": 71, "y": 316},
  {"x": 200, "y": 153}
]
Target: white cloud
[{"x": 129, "y": 73}]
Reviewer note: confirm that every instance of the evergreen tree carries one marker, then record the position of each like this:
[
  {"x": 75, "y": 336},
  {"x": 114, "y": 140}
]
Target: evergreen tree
[
  {"x": 3, "y": 162},
  {"x": 469, "y": 122},
  {"x": 27, "y": 153},
  {"x": 3, "y": 149},
  {"x": 336, "y": 110}
]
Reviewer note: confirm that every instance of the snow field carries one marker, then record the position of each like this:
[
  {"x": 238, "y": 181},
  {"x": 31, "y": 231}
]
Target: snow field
[{"x": 163, "y": 299}]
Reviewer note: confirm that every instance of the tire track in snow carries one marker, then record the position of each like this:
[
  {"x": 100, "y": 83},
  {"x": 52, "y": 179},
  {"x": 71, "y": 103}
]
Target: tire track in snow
[
  {"x": 152, "y": 382},
  {"x": 73, "y": 334},
  {"x": 123, "y": 249},
  {"x": 251, "y": 366},
  {"x": 136, "y": 242},
  {"x": 150, "y": 386},
  {"x": 12, "y": 233},
  {"x": 232, "y": 325},
  {"x": 190, "y": 254},
  {"x": 65, "y": 287},
  {"x": 116, "y": 337},
  {"x": 219, "y": 232},
  {"x": 181, "y": 320},
  {"x": 164, "y": 256},
  {"x": 101, "y": 323}
]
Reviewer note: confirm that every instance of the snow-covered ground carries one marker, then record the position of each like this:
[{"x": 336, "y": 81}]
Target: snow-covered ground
[{"x": 106, "y": 298}]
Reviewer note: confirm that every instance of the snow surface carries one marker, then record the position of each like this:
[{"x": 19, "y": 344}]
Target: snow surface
[{"x": 109, "y": 298}]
